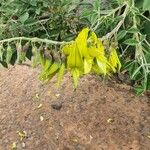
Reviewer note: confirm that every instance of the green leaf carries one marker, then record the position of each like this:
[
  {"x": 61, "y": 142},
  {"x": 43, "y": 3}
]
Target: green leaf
[
  {"x": 133, "y": 30},
  {"x": 147, "y": 57},
  {"x": 4, "y": 64},
  {"x": 132, "y": 67},
  {"x": 75, "y": 75},
  {"x": 131, "y": 42},
  {"x": 87, "y": 65},
  {"x": 146, "y": 29},
  {"x": 148, "y": 81},
  {"x": 146, "y": 5},
  {"x": 121, "y": 34},
  {"x": 21, "y": 57},
  {"x": 24, "y": 17},
  {"x": 1, "y": 52},
  {"x": 33, "y": 2},
  {"x": 60, "y": 74},
  {"x": 142, "y": 38},
  {"x": 96, "y": 5},
  {"x": 35, "y": 60},
  {"x": 139, "y": 90},
  {"x": 9, "y": 54}
]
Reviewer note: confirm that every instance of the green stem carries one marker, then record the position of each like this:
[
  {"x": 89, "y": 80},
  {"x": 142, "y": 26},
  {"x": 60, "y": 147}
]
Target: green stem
[
  {"x": 101, "y": 19},
  {"x": 115, "y": 30},
  {"x": 35, "y": 39},
  {"x": 145, "y": 17}
]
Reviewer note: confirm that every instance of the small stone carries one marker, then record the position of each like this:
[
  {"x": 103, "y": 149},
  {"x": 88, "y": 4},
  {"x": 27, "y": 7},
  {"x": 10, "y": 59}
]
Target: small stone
[
  {"x": 37, "y": 96},
  {"x": 41, "y": 118},
  {"x": 56, "y": 105},
  {"x": 110, "y": 120},
  {"x": 40, "y": 105},
  {"x": 57, "y": 95},
  {"x": 14, "y": 146},
  {"x": 23, "y": 145}
]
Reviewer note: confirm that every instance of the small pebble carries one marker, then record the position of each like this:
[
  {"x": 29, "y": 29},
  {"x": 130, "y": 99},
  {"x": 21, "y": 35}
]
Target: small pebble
[
  {"x": 57, "y": 95},
  {"x": 110, "y": 120},
  {"x": 56, "y": 105},
  {"x": 40, "y": 106},
  {"x": 23, "y": 145},
  {"x": 41, "y": 118}
]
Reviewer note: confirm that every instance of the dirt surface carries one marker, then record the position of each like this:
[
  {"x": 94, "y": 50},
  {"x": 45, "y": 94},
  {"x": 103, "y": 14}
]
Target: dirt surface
[{"x": 97, "y": 116}]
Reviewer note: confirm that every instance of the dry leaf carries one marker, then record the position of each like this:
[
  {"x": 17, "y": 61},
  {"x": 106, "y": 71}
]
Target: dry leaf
[
  {"x": 22, "y": 134},
  {"x": 40, "y": 105},
  {"x": 14, "y": 146},
  {"x": 37, "y": 96},
  {"x": 110, "y": 120},
  {"x": 57, "y": 95},
  {"x": 23, "y": 144},
  {"x": 41, "y": 118}
]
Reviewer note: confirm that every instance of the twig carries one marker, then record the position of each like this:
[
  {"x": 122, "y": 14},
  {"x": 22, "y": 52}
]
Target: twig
[
  {"x": 144, "y": 17},
  {"x": 115, "y": 30},
  {"x": 112, "y": 12},
  {"x": 35, "y": 39}
]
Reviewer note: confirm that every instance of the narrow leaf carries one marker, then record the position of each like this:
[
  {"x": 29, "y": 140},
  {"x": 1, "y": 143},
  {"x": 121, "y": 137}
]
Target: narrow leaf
[
  {"x": 131, "y": 42},
  {"x": 9, "y": 54},
  {"x": 133, "y": 30},
  {"x": 60, "y": 74},
  {"x": 146, "y": 5},
  {"x": 121, "y": 34}
]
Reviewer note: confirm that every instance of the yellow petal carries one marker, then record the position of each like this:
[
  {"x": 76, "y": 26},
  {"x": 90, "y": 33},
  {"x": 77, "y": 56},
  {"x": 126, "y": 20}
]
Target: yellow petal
[
  {"x": 68, "y": 48},
  {"x": 87, "y": 65},
  {"x": 102, "y": 63},
  {"x": 95, "y": 46},
  {"x": 60, "y": 74},
  {"x": 93, "y": 51},
  {"x": 75, "y": 75},
  {"x": 100, "y": 46},
  {"x": 114, "y": 60},
  {"x": 74, "y": 59},
  {"x": 93, "y": 38},
  {"x": 95, "y": 69},
  {"x": 81, "y": 42}
]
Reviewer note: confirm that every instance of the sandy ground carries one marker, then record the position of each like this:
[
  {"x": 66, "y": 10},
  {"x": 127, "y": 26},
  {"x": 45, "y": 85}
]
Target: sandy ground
[{"x": 97, "y": 116}]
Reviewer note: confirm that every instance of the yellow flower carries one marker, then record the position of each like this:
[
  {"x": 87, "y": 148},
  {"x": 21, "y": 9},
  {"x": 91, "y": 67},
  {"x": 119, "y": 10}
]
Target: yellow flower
[
  {"x": 114, "y": 61},
  {"x": 95, "y": 46},
  {"x": 81, "y": 42},
  {"x": 86, "y": 53}
]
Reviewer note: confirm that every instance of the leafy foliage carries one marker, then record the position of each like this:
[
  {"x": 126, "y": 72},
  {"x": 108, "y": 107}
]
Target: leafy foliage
[
  {"x": 121, "y": 24},
  {"x": 45, "y": 19}
]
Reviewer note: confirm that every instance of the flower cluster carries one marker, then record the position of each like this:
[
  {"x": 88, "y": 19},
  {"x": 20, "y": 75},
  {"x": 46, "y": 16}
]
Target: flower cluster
[{"x": 87, "y": 54}]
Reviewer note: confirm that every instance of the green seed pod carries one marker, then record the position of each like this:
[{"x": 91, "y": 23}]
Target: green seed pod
[
  {"x": 22, "y": 53},
  {"x": 34, "y": 50},
  {"x": 9, "y": 53},
  {"x": 63, "y": 58},
  {"x": 56, "y": 56},
  {"x": 47, "y": 55},
  {"x": 26, "y": 47},
  {"x": 35, "y": 57},
  {"x": 18, "y": 47},
  {"x": 42, "y": 59},
  {"x": 41, "y": 49},
  {"x": 21, "y": 57},
  {"x": 1, "y": 52}
]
